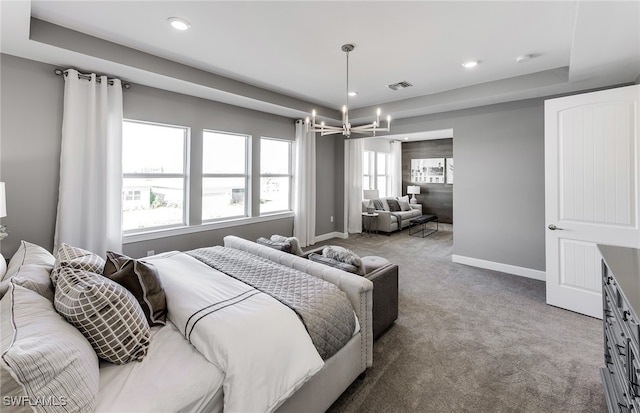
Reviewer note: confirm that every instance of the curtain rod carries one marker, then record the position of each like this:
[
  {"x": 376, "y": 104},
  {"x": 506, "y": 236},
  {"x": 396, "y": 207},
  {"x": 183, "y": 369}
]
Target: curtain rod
[{"x": 60, "y": 72}]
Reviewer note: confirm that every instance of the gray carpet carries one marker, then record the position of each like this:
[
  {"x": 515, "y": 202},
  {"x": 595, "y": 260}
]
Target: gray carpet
[{"x": 473, "y": 340}]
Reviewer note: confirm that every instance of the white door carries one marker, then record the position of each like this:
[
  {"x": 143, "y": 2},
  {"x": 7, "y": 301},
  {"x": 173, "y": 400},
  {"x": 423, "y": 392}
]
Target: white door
[{"x": 591, "y": 190}]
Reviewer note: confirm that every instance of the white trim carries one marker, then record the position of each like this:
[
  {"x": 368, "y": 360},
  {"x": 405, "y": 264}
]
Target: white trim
[
  {"x": 498, "y": 266},
  {"x": 170, "y": 232},
  {"x": 335, "y": 234}
]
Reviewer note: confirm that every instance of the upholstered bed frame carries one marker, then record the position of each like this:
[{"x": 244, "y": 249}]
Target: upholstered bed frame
[{"x": 352, "y": 360}]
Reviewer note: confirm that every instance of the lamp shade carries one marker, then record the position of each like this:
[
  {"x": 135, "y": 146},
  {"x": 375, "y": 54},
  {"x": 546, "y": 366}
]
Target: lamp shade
[
  {"x": 371, "y": 194},
  {"x": 3, "y": 201},
  {"x": 413, "y": 189}
]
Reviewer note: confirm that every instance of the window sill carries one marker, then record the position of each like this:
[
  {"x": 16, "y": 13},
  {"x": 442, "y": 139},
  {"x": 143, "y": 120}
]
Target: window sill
[{"x": 208, "y": 226}]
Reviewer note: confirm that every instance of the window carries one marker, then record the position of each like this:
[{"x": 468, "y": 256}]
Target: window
[
  {"x": 154, "y": 178},
  {"x": 374, "y": 170},
  {"x": 224, "y": 175},
  {"x": 275, "y": 175}
]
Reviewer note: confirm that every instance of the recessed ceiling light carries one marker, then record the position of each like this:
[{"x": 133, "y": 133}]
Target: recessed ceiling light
[
  {"x": 470, "y": 64},
  {"x": 523, "y": 58},
  {"x": 354, "y": 93},
  {"x": 406, "y": 138},
  {"x": 178, "y": 23}
]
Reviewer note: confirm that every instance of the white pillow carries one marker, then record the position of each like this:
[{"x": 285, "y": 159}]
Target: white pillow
[
  {"x": 3, "y": 267},
  {"x": 403, "y": 201},
  {"x": 31, "y": 267},
  {"x": 43, "y": 356}
]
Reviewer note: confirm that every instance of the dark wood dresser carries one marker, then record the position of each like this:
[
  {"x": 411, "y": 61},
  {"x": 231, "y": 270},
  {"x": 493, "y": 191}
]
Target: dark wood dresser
[{"x": 621, "y": 306}]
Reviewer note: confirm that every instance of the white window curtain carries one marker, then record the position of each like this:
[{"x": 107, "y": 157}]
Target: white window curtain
[
  {"x": 395, "y": 169},
  {"x": 90, "y": 196},
  {"x": 304, "y": 203},
  {"x": 353, "y": 153}
]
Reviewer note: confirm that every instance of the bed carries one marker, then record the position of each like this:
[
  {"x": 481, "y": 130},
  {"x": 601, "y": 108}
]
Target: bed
[{"x": 206, "y": 357}]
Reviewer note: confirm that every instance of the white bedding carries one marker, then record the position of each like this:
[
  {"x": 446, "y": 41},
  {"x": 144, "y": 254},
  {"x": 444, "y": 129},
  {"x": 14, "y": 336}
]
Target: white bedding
[
  {"x": 154, "y": 384},
  {"x": 258, "y": 343}
]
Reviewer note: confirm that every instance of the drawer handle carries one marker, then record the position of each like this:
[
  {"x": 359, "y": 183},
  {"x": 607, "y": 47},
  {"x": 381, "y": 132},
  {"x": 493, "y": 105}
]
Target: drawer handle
[{"x": 625, "y": 313}]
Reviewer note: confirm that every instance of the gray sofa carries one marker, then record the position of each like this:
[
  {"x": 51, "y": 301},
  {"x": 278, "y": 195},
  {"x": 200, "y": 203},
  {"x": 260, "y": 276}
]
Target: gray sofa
[
  {"x": 387, "y": 220},
  {"x": 384, "y": 276}
]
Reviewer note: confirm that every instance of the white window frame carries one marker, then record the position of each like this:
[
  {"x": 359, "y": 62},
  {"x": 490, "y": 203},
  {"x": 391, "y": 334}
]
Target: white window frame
[
  {"x": 288, "y": 175},
  {"x": 184, "y": 176},
  {"x": 246, "y": 176},
  {"x": 372, "y": 174}
]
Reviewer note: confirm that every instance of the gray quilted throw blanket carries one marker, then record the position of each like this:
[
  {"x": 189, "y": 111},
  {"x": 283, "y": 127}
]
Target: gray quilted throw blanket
[{"x": 323, "y": 308}]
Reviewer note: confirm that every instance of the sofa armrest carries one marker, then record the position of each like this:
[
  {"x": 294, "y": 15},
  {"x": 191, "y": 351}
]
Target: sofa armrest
[
  {"x": 385, "y": 297},
  {"x": 384, "y": 220},
  {"x": 416, "y": 206}
]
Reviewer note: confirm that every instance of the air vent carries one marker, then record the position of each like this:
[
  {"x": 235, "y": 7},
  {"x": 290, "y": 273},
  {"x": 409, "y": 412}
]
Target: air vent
[{"x": 400, "y": 85}]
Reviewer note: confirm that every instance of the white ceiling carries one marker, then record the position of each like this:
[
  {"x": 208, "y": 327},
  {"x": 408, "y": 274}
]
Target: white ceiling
[{"x": 289, "y": 52}]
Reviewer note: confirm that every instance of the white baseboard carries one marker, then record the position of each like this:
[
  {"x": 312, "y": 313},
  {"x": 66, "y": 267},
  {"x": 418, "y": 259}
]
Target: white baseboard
[
  {"x": 335, "y": 234},
  {"x": 497, "y": 266}
]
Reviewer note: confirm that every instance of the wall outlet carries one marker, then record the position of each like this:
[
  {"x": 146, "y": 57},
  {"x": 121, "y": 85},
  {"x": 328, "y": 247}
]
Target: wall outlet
[
  {"x": 331, "y": 218},
  {"x": 150, "y": 253}
]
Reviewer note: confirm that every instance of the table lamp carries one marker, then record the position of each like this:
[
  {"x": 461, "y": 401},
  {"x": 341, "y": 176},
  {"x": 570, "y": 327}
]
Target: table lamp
[{"x": 413, "y": 190}]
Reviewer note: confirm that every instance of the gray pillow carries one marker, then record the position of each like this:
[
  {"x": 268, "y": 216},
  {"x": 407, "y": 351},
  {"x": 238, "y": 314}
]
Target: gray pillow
[
  {"x": 394, "y": 206},
  {"x": 142, "y": 280},
  {"x": 333, "y": 263},
  {"x": 105, "y": 313}
]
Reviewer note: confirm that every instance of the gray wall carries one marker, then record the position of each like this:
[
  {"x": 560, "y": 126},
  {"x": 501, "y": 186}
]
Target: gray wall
[
  {"x": 436, "y": 199},
  {"x": 498, "y": 194},
  {"x": 32, "y": 98}
]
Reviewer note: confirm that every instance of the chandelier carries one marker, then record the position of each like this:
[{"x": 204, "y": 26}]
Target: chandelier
[{"x": 347, "y": 129}]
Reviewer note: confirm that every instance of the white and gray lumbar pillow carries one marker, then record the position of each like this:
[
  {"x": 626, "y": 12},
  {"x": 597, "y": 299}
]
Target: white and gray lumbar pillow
[{"x": 342, "y": 254}]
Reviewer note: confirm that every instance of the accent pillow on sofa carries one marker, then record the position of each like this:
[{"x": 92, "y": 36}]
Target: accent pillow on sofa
[
  {"x": 105, "y": 313},
  {"x": 43, "y": 356},
  {"x": 31, "y": 267},
  {"x": 403, "y": 201},
  {"x": 293, "y": 241},
  {"x": 333, "y": 263},
  {"x": 282, "y": 246},
  {"x": 344, "y": 255},
  {"x": 74, "y": 257},
  {"x": 142, "y": 280},
  {"x": 394, "y": 206}
]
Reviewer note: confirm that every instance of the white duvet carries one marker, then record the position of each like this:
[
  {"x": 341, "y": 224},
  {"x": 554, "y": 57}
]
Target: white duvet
[{"x": 259, "y": 344}]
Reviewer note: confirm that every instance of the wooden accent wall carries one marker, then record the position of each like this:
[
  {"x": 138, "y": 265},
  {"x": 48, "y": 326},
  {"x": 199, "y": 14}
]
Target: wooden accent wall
[{"x": 436, "y": 199}]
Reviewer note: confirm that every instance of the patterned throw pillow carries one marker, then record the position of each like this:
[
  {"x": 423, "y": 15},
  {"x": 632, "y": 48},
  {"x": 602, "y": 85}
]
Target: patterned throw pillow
[
  {"x": 333, "y": 263},
  {"x": 44, "y": 357},
  {"x": 282, "y": 246},
  {"x": 142, "y": 280},
  {"x": 105, "y": 313},
  {"x": 74, "y": 257}
]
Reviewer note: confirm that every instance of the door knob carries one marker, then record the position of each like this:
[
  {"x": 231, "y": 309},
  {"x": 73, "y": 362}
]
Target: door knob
[{"x": 552, "y": 227}]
